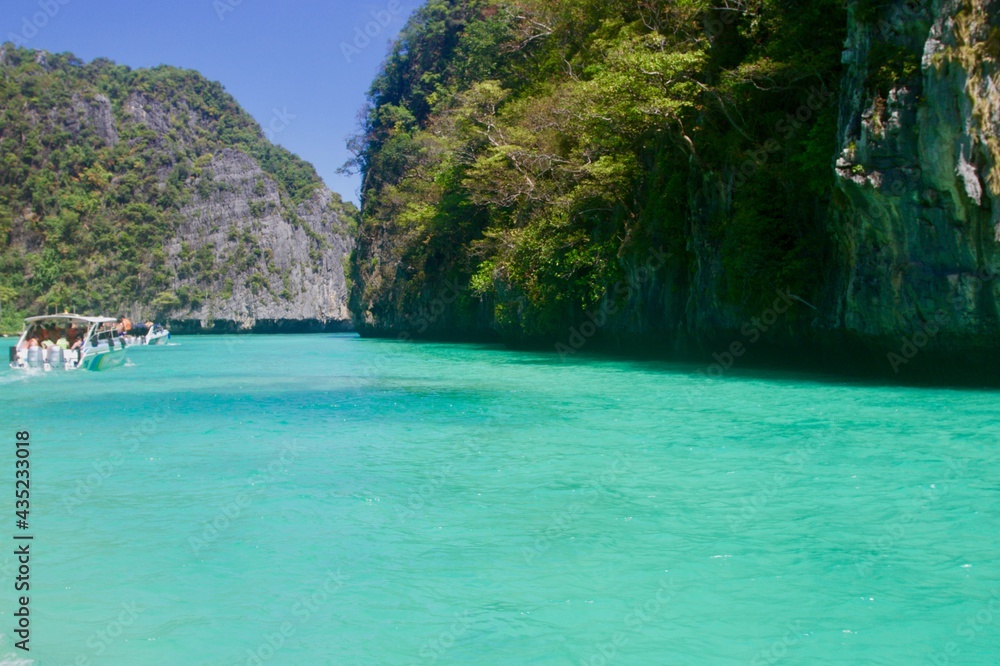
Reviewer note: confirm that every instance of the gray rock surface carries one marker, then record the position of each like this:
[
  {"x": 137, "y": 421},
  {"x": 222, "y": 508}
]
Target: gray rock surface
[
  {"x": 244, "y": 255},
  {"x": 915, "y": 234},
  {"x": 98, "y": 115},
  {"x": 920, "y": 171},
  {"x": 276, "y": 269},
  {"x": 152, "y": 194},
  {"x": 912, "y": 231},
  {"x": 142, "y": 109}
]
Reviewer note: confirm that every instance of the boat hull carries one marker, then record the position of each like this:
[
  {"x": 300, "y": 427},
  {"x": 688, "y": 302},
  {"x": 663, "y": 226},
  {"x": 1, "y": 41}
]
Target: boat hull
[
  {"x": 160, "y": 339},
  {"x": 105, "y": 360}
]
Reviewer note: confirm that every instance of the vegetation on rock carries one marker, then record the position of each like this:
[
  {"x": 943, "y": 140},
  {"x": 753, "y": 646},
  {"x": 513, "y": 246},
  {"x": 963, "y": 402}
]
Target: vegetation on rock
[
  {"x": 536, "y": 150},
  {"x": 97, "y": 162}
]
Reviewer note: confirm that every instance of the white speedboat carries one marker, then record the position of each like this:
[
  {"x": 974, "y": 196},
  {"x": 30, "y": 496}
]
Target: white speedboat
[
  {"x": 68, "y": 342},
  {"x": 157, "y": 335},
  {"x": 147, "y": 335}
]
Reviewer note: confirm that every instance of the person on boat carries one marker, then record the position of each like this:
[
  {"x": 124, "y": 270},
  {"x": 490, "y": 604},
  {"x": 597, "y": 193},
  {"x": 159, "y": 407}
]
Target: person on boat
[
  {"x": 123, "y": 327},
  {"x": 73, "y": 337}
]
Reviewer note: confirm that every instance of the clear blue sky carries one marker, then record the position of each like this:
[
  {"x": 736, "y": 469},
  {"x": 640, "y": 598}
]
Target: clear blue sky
[{"x": 276, "y": 57}]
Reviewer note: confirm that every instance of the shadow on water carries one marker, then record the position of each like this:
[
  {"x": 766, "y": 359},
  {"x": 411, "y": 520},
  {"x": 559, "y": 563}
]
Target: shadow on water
[{"x": 850, "y": 364}]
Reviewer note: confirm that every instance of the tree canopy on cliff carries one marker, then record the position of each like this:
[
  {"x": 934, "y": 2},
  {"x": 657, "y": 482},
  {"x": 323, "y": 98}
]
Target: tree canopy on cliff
[{"x": 531, "y": 148}]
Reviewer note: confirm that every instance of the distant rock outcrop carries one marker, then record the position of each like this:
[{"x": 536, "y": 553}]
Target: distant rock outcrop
[
  {"x": 151, "y": 193},
  {"x": 303, "y": 253}
]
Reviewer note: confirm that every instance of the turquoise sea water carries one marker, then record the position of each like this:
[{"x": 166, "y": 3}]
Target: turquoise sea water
[{"x": 317, "y": 500}]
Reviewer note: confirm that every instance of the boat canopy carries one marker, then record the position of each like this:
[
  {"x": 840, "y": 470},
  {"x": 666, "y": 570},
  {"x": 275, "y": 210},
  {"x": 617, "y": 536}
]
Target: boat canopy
[{"x": 71, "y": 317}]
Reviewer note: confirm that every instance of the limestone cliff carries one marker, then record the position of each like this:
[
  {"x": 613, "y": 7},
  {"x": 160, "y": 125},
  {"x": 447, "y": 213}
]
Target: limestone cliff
[
  {"x": 813, "y": 183},
  {"x": 919, "y": 170},
  {"x": 291, "y": 262},
  {"x": 913, "y": 224},
  {"x": 152, "y": 194}
]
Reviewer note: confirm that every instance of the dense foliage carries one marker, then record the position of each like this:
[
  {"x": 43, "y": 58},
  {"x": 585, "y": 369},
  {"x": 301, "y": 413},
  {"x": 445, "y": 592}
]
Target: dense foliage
[
  {"x": 534, "y": 149},
  {"x": 84, "y": 217}
]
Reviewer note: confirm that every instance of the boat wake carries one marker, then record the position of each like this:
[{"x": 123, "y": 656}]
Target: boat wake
[{"x": 20, "y": 376}]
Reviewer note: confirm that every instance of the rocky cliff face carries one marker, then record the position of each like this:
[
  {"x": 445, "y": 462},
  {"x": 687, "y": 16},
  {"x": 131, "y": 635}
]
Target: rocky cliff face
[
  {"x": 892, "y": 247},
  {"x": 919, "y": 171},
  {"x": 273, "y": 268},
  {"x": 152, "y": 194},
  {"x": 914, "y": 222}
]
